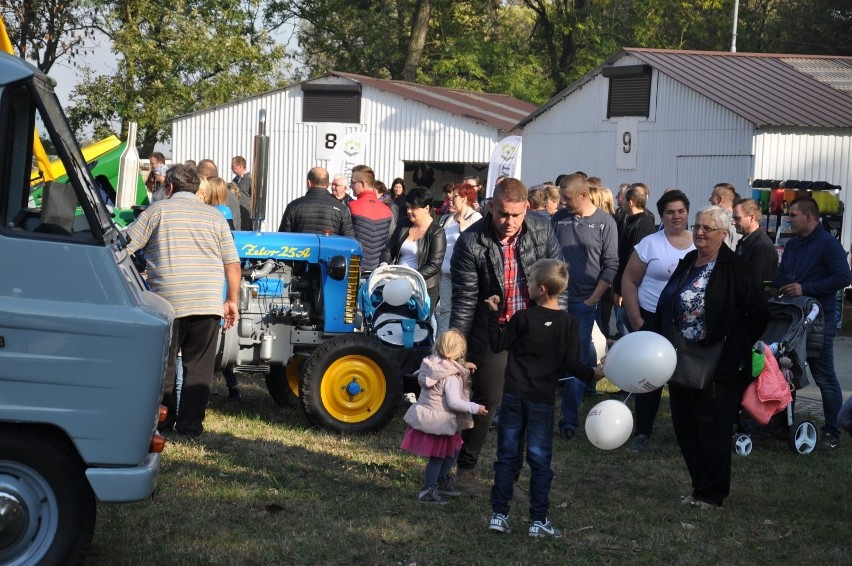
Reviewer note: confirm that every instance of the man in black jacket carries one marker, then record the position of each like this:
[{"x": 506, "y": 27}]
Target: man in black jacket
[
  {"x": 317, "y": 212},
  {"x": 492, "y": 257},
  {"x": 755, "y": 246}
]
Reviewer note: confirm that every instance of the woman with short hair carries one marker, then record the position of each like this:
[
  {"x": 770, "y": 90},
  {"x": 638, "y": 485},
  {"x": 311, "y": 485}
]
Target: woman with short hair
[{"x": 712, "y": 298}]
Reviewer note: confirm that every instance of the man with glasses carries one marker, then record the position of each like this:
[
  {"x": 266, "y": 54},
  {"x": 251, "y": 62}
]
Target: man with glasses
[
  {"x": 814, "y": 264},
  {"x": 371, "y": 218},
  {"x": 338, "y": 189},
  {"x": 754, "y": 245}
]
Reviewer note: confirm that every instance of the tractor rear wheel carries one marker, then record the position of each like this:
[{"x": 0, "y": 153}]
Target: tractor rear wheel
[
  {"x": 349, "y": 385},
  {"x": 282, "y": 382}
]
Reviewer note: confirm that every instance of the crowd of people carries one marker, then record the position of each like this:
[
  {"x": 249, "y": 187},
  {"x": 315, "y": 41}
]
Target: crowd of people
[{"x": 513, "y": 280}]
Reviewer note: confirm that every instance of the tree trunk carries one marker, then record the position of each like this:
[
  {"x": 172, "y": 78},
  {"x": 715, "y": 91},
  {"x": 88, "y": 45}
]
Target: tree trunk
[{"x": 419, "y": 30}]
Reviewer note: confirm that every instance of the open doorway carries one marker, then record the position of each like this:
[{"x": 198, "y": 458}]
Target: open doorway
[{"x": 433, "y": 175}]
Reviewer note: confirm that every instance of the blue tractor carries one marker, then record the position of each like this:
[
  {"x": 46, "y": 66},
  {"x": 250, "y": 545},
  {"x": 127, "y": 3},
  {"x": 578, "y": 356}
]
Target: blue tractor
[
  {"x": 301, "y": 325},
  {"x": 345, "y": 364}
]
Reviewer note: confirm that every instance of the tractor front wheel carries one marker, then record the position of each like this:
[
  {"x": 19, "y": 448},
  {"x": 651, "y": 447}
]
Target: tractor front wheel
[{"x": 350, "y": 386}]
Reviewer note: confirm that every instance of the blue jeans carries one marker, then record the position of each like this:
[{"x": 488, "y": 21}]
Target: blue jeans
[
  {"x": 620, "y": 320},
  {"x": 822, "y": 368},
  {"x": 518, "y": 416},
  {"x": 445, "y": 304},
  {"x": 844, "y": 417},
  {"x": 572, "y": 394}
]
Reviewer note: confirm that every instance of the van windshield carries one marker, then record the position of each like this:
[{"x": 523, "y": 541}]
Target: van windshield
[{"x": 68, "y": 151}]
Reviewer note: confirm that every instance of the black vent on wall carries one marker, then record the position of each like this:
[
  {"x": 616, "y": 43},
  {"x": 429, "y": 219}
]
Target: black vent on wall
[
  {"x": 331, "y": 103},
  {"x": 629, "y": 90}
]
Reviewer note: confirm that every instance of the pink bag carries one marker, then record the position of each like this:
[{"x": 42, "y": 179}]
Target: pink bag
[{"x": 769, "y": 393}]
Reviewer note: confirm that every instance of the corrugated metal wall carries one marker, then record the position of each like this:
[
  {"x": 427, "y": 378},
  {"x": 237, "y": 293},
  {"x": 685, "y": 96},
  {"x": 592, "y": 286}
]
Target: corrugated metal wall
[
  {"x": 808, "y": 154},
  {"x": 576, "y": 135},
  {"x": 400, "y": 130}
]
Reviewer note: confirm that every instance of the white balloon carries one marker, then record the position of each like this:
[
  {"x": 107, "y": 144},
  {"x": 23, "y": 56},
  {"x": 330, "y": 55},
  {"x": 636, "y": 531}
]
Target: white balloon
[
  {"x": 609, "y": 424},
  {"x": 397, "y": 291},
  {"x": 640, "y": 362}
]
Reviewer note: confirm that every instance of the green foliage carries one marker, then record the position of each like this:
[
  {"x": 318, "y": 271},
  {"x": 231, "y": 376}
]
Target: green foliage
[
  {"x": 811, "y": 26},
  {"x": 44, "y": 31},
  {"x": 366, "y": 36},
  {"x": 199, "y": 53},
  {"x": 194, "y": 55}
]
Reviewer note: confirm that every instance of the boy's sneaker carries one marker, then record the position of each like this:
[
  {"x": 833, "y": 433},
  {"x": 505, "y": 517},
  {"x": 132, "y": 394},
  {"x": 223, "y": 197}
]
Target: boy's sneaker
[
  {"x": 431, "y": 495},
  {"x": 499, "y": 523},
  {"x": 828, "y": 441},
  {"x": 543, "y": 529},
  {"x": 448, "y": 487}
]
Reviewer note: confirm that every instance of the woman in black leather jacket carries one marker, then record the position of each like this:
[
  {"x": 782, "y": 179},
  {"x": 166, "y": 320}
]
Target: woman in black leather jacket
[{"x": 420, "y": 243}]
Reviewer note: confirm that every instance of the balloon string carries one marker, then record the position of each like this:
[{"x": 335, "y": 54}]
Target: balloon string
[{"x": 626, "y": 398}]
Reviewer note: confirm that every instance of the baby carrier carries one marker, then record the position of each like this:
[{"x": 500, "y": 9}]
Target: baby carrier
[{"x": 407, "y": 324}]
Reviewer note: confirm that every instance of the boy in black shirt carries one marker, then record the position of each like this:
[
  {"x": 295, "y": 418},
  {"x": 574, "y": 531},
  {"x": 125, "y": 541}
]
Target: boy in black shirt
[{"x": 543, "y": 343}]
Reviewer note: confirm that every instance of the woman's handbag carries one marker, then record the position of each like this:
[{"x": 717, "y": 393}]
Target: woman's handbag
[{"x": 696, "y": 363}]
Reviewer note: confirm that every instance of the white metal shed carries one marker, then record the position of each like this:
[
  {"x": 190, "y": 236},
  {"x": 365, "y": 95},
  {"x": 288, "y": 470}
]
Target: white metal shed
[
  {"x": 452, "y": 130},
  {"x": 690, "y": 119}
]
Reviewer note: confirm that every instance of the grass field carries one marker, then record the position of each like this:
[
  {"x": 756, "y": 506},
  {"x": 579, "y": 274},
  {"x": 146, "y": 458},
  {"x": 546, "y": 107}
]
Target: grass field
[{"x": 262, "y": 487}]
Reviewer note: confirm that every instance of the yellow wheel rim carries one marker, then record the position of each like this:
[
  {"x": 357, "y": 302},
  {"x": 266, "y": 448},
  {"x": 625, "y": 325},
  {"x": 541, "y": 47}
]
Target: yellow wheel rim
[
  {"x": 353, "y": 389},
  {"x": 293, "y": 373}
]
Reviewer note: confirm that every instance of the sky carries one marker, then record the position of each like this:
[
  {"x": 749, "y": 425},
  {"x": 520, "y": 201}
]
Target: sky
[{"x": 97, "y": 55}]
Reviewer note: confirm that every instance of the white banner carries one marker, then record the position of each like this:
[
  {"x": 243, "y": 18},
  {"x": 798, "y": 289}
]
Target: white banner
[
  {"x": 505, "y": 160},
  {"x": 349, "y": 151}
]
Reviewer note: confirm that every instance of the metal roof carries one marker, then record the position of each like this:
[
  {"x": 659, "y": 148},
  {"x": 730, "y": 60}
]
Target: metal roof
[
  {"x": 499, "y": 111},
  {"x": 765, "y": 89}
]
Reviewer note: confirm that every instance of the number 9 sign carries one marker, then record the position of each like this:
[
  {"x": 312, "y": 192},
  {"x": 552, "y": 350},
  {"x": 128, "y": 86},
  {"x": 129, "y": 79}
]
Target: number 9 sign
[{"x": 625, "y": 152}]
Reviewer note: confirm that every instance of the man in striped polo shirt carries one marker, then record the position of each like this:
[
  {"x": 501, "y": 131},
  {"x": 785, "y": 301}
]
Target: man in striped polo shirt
[{"x": 189, "y": 247}]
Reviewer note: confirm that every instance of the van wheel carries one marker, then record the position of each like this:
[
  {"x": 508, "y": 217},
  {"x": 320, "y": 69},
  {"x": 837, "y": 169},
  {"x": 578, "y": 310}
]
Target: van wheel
[
  {"x": 350, "y": 386},
  {"x": 47, "y": 507},
  {"x": 282, "y": 382}
]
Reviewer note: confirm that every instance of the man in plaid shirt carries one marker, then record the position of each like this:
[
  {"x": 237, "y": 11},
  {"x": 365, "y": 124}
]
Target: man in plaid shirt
[{"x": 492, "y": 257}]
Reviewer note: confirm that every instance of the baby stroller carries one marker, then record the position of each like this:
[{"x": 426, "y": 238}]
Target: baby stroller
[
  {"x": 394, "y": 321},
  {"x": 400, "y": 320},
  {"x": 793, "y": 334}
]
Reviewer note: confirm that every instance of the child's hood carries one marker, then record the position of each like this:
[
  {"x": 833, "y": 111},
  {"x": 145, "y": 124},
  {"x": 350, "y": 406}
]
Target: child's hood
[{"x": 435, "y": 368}]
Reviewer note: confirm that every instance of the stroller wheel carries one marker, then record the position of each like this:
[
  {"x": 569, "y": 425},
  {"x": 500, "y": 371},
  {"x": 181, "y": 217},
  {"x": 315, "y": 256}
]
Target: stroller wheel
[
  {"x": 802, "y": 436},
  {"x": 742, "y": 444}
]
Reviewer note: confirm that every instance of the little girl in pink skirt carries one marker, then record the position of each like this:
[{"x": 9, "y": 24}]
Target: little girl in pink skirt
[{"x": 442, "y": 411}]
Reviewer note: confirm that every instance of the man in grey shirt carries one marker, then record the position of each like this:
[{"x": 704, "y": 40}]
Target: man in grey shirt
[{"x": 588, "y": 237}]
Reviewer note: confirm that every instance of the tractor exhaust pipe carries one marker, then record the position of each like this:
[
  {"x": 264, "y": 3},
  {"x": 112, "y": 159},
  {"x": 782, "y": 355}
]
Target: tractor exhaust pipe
[{"x": 260, "y": 173}]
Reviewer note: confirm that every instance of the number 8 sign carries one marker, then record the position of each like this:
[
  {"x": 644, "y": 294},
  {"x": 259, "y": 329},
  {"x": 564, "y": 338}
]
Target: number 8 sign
[{"x": 328, "y": 136}]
